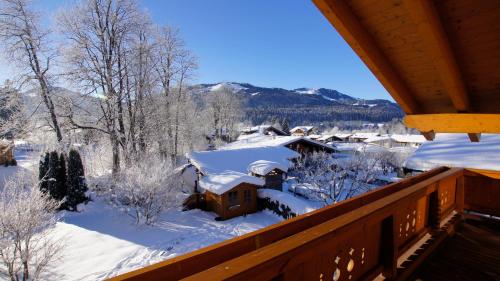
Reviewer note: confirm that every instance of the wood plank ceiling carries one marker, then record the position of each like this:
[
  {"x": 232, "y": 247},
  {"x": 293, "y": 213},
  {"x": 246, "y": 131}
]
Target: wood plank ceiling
[{"x": 433, "y": 57}]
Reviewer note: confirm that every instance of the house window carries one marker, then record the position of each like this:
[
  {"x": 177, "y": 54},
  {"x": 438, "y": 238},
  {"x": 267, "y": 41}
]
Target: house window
[
  {"x": 247, "y": 196},
  {"x": 233, "y": 198}
]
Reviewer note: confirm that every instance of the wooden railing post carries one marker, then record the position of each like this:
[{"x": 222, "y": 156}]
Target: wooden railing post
[
  {"x": 434, "y": 210},
  {"x": 460, "y": 194},
  {"x": 388, "y": 248}
]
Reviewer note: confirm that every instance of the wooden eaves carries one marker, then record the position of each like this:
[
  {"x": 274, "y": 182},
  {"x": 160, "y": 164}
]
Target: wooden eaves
[{"x": 423, "y": 74}]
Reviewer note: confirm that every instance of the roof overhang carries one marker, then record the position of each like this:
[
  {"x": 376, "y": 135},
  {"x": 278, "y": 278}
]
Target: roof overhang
[{"x": 439, "y": 60}]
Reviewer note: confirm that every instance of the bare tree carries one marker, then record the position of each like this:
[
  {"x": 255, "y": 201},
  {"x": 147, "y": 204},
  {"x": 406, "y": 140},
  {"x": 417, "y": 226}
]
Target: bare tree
[
  {"x": 187, "y": 65},
  {"x": 323, "y": 177},
  {"x": 146, "y": 189},
  {"x": 169, "y": 47},
  {"x": 225, "y": 110},
  {"x": 99, "y": 32},
  {"x": 27, "y": 217},
  {"x": 27, "y": 44},
  {"x": 13, "y": 115}
]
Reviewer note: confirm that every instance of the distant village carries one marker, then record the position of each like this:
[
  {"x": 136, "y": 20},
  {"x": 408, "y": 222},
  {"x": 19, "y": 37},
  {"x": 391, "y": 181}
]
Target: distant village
[{"x": 253, "y": 172}]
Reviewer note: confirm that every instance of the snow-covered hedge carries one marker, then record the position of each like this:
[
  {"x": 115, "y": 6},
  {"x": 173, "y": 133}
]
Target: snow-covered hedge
[{"x": 283, "y": 204}]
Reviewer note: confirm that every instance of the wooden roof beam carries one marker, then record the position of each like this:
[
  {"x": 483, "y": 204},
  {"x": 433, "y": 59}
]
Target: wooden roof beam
[
  {"x": 340, "y": 15},
  {"x": 427, "y": 20},
  {"x": 456, "y": 123}
]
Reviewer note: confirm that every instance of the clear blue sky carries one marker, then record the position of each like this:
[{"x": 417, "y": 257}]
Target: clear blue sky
[{"x": 272, "y": 43}]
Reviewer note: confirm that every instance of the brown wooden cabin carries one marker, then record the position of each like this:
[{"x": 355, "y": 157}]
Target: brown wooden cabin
[
  {"x": 266, "y": 130},
  {"x": 305, "y": 146},
  {"x": 329, "y": 138},
  {"x": 273, "y": 180},
  {"x": 440, "y": 61},
  {"x": 6, "y": 153},
  {"x": 238, "y": 201}
]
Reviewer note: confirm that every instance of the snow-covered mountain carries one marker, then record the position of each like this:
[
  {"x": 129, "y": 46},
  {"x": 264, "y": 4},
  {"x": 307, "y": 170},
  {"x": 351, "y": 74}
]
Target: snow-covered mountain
[
  {"x": 306, "y": 105},
  {"x": 262, "y": 95}
]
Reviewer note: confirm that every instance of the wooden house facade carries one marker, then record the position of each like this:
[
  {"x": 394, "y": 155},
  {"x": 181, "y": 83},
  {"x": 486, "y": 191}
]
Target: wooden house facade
[
  {"x": 305, "y": 146},
  {"x": 272, "y": 173},
  {"x": 238, "y": 201},
  {"x": 264, "y": 129}
]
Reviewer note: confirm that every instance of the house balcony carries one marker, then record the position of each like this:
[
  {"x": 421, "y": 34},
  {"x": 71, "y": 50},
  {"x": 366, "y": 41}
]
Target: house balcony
[{"x": 439, "y": 225}]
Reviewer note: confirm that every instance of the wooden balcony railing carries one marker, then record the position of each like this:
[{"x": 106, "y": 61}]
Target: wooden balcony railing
[{"x": 357, "y": 239}]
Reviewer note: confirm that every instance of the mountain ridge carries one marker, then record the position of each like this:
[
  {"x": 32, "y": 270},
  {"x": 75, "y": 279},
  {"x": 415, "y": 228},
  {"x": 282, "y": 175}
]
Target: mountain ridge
[{"x": 318, "y": 106}]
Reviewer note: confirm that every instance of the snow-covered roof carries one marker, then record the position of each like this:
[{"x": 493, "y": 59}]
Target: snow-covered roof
[
  {"x": 223, "y": 182},
  {"x": 361, "y": 135},
  {"x": 348, "y": 146},
  {"x": 302, "y": 128},
  {"x": 263, "y": 167},
  {"x": 326, "y": 137},
  {"x": 360, "y": 147},
  {"x": 314, "y": 137},
  {"x": 456, "y": 150},
  {"x": 258, "y": 140},
  {"x": 238, "y": 159},
  {"x": 377, "y": 138},
  {"x": 187, "y": 174},
  {"x": 343, "y": 135},
  {"x": 408, "y": 138}
]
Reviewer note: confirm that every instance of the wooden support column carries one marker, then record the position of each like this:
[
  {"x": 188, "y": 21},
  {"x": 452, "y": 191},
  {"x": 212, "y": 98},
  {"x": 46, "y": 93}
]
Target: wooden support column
[
  {"x": 474, "y": 137},
  {"x": 434, "y": 211},
  {"x": 460, "y": 194},
  {"x": 430, "y": 135},
  {"x": 388, "y": 249}
]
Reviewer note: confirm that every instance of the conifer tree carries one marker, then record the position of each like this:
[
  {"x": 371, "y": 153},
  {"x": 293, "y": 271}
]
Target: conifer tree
[
  {"x": 284, "y": 125},
  {"x": 52, "y": 174},
  {"x": 61, "y": 182},
  {"x": 76, "y": 181},
  {"x": 43, "y": 168}
]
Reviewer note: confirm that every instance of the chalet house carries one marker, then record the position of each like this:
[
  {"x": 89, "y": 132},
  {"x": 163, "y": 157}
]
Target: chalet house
[
  {"x": 329, "y": 138},
  {"x": 306, "y": 146},
  {"x": 262, "y": 157},
  {"x": 343, "y": 137},
  {"x": 302, "y": 145},
  {"x": 272, "y": 173},
  {"x": 231, "y": 194},
  {"x": 361, "y": 137},
  {"x": 407, "y": 140},
  {"x": 303, "y": 131},
  {"x": 265, "y": 130},
  {"x": 6, "y": 152},
  {"x": 383, "y": 141}
]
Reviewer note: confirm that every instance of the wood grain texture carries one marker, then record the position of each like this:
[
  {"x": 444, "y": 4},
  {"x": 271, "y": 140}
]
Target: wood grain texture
[{"x": 454, "y": 123}]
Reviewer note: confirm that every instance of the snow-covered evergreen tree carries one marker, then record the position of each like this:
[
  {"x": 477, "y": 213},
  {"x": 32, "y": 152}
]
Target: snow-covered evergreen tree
[
  {"x": 43, "y": 170},
  {"x": 75, "y": 181},
  {"x": 61, "y": 188}
]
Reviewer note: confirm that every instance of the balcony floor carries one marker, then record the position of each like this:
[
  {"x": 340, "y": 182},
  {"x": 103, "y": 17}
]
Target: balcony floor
[{"x": 473, "y": 253}]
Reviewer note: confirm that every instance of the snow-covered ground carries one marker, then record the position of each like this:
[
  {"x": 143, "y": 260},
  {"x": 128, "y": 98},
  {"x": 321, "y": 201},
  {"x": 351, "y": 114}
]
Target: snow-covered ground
[
  {"x": 26, "y": 160},
  {"x": 101, "y": 241}
]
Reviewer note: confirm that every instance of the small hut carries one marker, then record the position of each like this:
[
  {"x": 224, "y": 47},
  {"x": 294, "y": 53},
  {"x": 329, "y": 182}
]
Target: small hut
[
  {"x": 6, "y": 152},
  {"x": 273, "y": 173},
  {"x": 231, "y": 194},
  {"x": 303, "y": 131}
]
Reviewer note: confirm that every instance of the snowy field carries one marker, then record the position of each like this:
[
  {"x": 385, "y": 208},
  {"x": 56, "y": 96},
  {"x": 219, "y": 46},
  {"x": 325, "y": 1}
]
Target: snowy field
[{"x": 102, "y": 242}]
